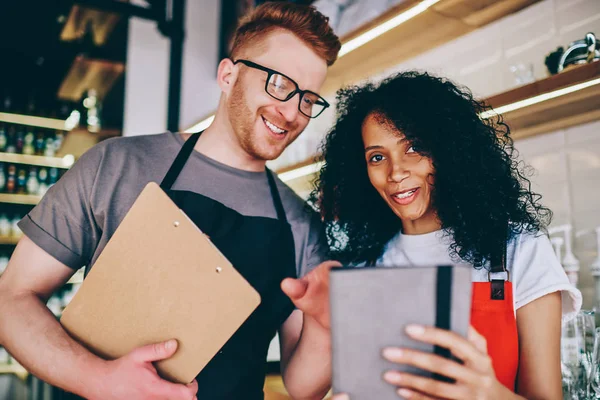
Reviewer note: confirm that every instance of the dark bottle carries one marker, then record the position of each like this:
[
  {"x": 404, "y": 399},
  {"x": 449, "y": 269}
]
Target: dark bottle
[
  {"x": 11, "y": 180},
  {"x": 3, "y": 138},
  {"x": 22, "y": 182},
  {"x": 53, "y": 176},
  {"x": 20, "y": 141},
  {"x": 39, "y": 144},
  {"x": 11, "y": 140},
  {"x": 2, "y": 178}
]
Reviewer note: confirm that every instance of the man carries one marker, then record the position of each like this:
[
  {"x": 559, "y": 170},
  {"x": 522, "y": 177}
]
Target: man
[{"x": 279, "y": 61}]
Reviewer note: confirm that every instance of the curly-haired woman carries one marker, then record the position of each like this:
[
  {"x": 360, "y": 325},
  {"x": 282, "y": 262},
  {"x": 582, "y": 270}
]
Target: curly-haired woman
[{"x": 414, "y": 176}]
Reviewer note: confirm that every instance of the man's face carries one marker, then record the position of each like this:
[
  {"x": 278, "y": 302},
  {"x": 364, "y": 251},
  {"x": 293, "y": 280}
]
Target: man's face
[{"x": 264, "y": 125}]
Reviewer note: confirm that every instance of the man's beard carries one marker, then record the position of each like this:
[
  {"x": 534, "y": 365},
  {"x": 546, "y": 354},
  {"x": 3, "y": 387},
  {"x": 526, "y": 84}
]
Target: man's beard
[{"x": 243, "y": 123}]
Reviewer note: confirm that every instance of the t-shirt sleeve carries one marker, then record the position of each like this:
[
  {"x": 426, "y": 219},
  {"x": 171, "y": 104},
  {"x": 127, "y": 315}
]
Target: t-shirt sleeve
[
  {"x": 316, "y": 249},
  {"x": 63, "y": 223},
  {"x": 537, "y": 272}
]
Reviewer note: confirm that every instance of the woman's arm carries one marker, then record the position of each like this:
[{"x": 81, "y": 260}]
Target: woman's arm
[{"x": 539, "y": 325}]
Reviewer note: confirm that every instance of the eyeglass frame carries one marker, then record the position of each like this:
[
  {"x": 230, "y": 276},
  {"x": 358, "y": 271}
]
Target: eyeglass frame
[{"x": 272, "y": 72}]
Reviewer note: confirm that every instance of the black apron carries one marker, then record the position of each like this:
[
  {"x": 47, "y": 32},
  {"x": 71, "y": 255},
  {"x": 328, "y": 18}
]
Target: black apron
[{"x": 262, "y": 250}]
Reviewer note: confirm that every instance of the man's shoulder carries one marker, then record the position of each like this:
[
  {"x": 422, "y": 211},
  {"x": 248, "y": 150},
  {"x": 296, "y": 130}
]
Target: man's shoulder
[{"x": 296, "y": 207}]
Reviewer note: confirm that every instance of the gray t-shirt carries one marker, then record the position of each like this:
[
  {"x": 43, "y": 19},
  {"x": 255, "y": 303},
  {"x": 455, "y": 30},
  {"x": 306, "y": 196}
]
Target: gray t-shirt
[{"x": 80, "y": 213}]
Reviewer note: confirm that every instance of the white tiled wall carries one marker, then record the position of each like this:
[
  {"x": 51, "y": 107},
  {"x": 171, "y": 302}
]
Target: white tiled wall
[{"x": 566, "y": 163}]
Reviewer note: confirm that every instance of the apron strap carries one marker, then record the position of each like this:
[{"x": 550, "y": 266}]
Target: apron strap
[
  {"x": 184, "y": 154},
  {"x": 276, "y": 197},
  {"x": 179, "y": 162},
  {"x": 498, "y": 266}
]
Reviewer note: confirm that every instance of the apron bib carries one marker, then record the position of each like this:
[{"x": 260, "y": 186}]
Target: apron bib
[{"x": 262, "y": 251}]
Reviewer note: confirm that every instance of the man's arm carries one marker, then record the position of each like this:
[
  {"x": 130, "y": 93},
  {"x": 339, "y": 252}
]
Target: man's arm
[
  {"x": 31, "y": 333},
  {"x": 305, "y": 336},
  {"x": 305, "y": 357}
]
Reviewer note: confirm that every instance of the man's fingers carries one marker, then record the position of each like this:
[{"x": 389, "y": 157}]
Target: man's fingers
[
  {"x": 155, "y": 352},
  {"x": 294, "y": 288}
]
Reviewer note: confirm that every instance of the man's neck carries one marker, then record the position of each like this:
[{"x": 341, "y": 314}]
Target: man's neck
[{"x": 220, "y": 143}]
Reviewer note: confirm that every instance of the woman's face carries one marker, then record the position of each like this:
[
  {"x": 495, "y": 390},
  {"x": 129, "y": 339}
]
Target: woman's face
[{"x": 401, "y": 176}]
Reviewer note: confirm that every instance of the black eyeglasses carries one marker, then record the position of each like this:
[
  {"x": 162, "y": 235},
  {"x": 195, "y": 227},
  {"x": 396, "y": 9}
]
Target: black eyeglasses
[{"x": 283, "y": 88}]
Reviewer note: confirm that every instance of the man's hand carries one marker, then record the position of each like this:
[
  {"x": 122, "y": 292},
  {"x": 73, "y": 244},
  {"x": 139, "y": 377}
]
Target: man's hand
[
  {"x": 311, "y": 292},
  {"x": 134, "y": 377}
]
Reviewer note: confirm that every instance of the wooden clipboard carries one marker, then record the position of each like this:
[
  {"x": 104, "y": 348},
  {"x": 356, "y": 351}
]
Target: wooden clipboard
[{"x": 159, "y": 278}]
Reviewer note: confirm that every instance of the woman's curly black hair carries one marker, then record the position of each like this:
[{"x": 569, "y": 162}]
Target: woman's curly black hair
[{"x": 479, "y": 183}]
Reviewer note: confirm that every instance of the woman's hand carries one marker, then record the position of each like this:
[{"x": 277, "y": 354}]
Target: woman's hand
[{"x": 475, "y": 378}]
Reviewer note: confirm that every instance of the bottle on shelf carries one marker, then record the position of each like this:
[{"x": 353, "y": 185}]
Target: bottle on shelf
[
  {"x": 49, "y": 149},
  {"x": 11, "y": 140},
  {"x": 4, "y": 225},
  {"x": 22, "y": 181},
  {"x": 3, "y": 138},
  {"x": 59, "y": 137},
  {"x": 19, "y": 141},
  {"x": 33, "y": 186},
  {"x": 43, "y": 181},
  {"x": 11, "y": 180},
  {"x": 39, "y": 144},
  {"x": 15, "y": 231},
  {"x": 53, "y": 176},
  {"x": 4, "y": 356},
  {"x": 2, "y": 178},
  {"x": 28, "y": 146}
]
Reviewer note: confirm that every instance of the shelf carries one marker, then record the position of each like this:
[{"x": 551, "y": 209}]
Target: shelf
[
  {"x": 40, "y": 161},
  {"x": 102, "y": 24},
  {"x": 442, "y": 22},
  {"x": 29, "y": 199},
  {"x": 15, "y": 369},
  {"x": 9, "y": 240},
  {"x": 556, "y": 104},
  {"x": 39, "y": 122},
  {"x": 87, "y": 74}
]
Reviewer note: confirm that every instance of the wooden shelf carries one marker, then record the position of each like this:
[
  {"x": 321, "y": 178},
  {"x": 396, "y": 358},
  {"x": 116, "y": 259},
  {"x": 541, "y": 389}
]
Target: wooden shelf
[
  {"x": 87, "y": 74},
  {"x": 9, "y": 240},
  {"x": 577, "y": 107},
  {"x": 439, "y": 24},
  {"x": 40, "y": 161},
  {"x": 102, "y": 24},
  {"x": 30, "y": 120},
  {"x": 28, "y": 199},
  {"x": 15, "y": 369}
]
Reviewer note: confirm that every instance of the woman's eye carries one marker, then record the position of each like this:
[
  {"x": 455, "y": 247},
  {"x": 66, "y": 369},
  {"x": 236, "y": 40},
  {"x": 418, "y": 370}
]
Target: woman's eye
[
  {"x": 376, "y": 158},
  {"x": 411, "y": 149}
]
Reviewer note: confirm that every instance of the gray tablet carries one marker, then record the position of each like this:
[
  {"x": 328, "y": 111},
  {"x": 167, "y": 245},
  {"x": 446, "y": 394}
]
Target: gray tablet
[{"x": 370, "y": 307}]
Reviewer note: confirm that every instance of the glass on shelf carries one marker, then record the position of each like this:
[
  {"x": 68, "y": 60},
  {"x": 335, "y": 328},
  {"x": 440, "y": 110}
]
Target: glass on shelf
[
  {"x": 522, "y": 73},
  {"x": 578, "y": 360}
]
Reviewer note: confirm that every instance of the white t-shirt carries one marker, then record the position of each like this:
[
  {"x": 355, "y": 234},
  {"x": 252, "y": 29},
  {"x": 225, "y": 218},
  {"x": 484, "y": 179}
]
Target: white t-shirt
[{"x": 531, "y": 261}]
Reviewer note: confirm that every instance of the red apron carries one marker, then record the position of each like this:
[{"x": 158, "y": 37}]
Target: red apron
[{"x": 495, "y": 320}]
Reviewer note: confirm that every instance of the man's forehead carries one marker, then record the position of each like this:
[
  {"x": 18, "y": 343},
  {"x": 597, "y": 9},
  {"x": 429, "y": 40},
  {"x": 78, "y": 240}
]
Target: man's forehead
[{"x": 284, "y": 52}]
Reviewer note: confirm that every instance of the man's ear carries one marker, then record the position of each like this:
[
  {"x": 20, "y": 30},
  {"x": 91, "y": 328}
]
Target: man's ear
[{"x": 227, "y": 74}]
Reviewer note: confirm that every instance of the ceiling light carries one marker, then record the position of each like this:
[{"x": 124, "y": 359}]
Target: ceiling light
[
  {"x": 538, "y": 99},
  {"x": 382, "y": 28}
]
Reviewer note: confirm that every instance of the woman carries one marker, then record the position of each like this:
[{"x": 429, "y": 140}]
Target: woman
[{"x": 413, "y": 176}]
